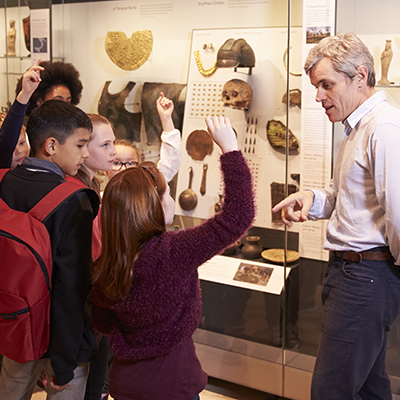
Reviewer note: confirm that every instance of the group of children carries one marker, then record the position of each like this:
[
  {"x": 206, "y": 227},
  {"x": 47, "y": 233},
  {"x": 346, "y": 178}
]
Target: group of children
[{"x": 143, "y": 283}]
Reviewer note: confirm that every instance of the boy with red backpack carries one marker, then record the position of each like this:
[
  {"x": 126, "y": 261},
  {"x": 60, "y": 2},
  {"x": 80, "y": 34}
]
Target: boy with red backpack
[{"x": 58, "y": 134}]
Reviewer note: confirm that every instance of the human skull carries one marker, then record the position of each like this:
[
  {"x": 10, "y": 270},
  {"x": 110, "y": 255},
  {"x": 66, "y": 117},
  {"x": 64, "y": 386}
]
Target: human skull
[{"x": 237, "y": 94}]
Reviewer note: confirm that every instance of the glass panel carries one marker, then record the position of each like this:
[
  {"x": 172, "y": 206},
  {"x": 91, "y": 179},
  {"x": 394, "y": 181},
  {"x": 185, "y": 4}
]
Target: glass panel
[
  {"x": 13, "y": 65},
  {"x": 14, "y": 55}
]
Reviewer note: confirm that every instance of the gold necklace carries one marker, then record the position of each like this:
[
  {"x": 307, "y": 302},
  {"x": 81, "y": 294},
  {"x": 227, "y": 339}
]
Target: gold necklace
[{"x": 203, "y": 71}]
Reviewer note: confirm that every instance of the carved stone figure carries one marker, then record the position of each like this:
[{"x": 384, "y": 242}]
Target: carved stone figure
[
  {"x": 237, "y": 94},
  {"x": 11, "y": 36},
  {"x": 386, "y": 58}
]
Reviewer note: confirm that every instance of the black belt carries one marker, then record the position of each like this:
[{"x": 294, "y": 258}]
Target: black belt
[{"x": 364, "y": 255}]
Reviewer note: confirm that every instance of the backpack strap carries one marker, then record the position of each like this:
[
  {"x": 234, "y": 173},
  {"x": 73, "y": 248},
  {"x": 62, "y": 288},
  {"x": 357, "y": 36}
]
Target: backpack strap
[
  {"x": 53, "y": 199},
  {"x": 3, "y": 171}
]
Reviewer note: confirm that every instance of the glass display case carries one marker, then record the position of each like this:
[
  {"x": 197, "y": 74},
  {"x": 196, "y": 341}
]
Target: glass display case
[{"x": 256, "y": 330}]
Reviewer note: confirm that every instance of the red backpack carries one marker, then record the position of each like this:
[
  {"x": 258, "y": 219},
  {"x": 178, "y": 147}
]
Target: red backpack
[{"x": 25, "y": 283}]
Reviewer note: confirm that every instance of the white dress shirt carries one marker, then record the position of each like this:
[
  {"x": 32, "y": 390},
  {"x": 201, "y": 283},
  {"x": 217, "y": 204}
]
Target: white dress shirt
[
  {"x": 170, "y": 154},
  {"x": 362, "y": 201}
]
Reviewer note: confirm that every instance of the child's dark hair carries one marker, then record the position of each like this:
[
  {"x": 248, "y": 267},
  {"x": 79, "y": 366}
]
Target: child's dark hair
[
  {"x": 55, "y": 118},
  {"x": 55, "y": 73}
]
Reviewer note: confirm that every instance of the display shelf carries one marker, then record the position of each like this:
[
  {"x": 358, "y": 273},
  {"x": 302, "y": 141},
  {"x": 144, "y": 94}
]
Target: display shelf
[
  {"x": 21, "y": 58},
  {"x": 395, "y": 85}
]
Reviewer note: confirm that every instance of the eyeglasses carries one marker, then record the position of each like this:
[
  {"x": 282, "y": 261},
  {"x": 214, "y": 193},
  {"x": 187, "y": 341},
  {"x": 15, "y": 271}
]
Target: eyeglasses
[{"x": 117, "y": 165}]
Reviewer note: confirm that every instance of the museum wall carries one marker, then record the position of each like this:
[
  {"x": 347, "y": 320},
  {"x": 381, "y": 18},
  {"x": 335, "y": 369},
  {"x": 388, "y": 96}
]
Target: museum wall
[{"x": 83, "y": 28}]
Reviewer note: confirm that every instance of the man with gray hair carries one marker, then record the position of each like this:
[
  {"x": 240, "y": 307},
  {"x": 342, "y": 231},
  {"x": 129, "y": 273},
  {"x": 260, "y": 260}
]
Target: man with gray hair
[{"x": 361, "y": 293}]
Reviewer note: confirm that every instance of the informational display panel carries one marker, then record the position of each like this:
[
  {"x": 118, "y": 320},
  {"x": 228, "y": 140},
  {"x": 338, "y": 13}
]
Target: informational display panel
[
  {"x": 245, "y": 274},
  {"x": 316, "y": 160},
  {"x": 40, "y": 34},
  {"x": 259, "y": 119}
]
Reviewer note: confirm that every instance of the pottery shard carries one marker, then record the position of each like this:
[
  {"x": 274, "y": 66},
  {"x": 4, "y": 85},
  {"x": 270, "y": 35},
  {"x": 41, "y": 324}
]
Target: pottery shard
[
  {"x": 276, "y": 135},
  {"x": 129, "y": 54}
]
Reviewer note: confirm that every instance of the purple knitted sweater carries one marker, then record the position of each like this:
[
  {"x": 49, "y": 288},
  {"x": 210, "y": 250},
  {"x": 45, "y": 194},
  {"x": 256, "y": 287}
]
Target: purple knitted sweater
[{"x": 163, "y": 307}]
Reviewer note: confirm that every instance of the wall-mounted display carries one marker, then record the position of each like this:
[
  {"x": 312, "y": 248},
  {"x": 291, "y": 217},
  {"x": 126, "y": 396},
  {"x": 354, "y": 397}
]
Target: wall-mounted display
[
  {"x": 188, "y": 198},
  {"x": 294, "y": 98},
  {"x": 129, "y": 53},
  {"x": 112, "y": 106},
  {"x": 199, "y": 144},
  {"x": 204, "y": 72},
  {"x": 237, "y": 93},
  {"x": 236, "y": 54},
  {"x": 285, "y": 64},
  {"x": 152, "y": 123},
  {"x": 250, "y": 101},
  {"x": 276, "y": 134}
]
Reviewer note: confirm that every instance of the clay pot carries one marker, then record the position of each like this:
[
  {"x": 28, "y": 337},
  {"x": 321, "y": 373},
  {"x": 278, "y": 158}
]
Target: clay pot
[{"x": 252, "y": 248}]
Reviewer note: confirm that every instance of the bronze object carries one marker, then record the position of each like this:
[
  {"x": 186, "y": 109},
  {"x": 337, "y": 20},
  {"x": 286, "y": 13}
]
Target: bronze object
[
  {"x": 276, "y": 135},
  {"x": 235, "y": 54},
  {"x": 294, "y": 98},
  {"x": 199, "y": 145},
  {"x": 188, "y": 198},
  {"x": 203, "y": 180}
]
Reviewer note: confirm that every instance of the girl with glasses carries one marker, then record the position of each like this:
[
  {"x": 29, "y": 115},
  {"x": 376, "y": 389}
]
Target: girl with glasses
[{"x": 128, "y": 155}]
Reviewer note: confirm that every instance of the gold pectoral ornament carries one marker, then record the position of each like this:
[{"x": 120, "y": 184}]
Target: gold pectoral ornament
[
  {"x": 204, "y": 72},
  {"x": 131, "y": 53}
]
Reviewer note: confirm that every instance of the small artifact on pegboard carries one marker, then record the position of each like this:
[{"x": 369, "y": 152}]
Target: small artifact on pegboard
[
  {"x": 277, "y": 195},
  {"x": 276, "y": 135},
  {"x": 294, "y": 98},
  {"x": 129, "y": 53}
]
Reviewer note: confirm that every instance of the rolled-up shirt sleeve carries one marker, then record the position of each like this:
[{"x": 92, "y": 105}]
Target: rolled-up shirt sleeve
[{"x": 170, "y": 154}]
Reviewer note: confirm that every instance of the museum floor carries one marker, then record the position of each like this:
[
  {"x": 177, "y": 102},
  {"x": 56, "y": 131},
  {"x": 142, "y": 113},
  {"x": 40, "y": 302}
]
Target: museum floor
[{"x": 215, "y": 390}]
